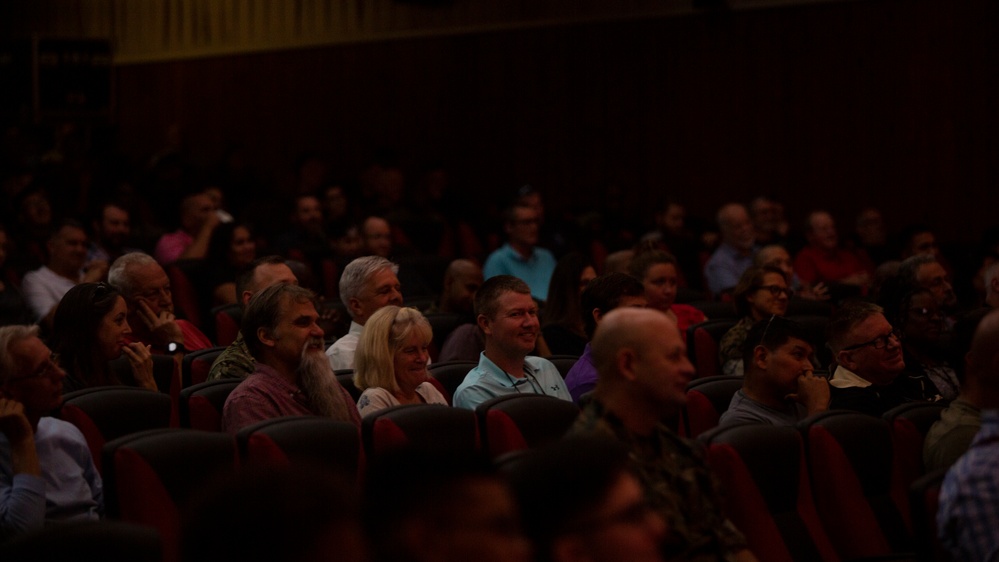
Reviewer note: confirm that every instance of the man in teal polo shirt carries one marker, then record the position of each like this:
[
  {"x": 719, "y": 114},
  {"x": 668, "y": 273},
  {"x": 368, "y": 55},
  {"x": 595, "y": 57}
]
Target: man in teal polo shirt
[{"x": 520, "y": 257}]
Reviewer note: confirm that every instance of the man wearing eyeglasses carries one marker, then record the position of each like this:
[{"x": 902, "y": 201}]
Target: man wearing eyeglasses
[
  {"x": 521, "y": 257},
  {"x": 46, "y": 471},
  {"x": 868, "y": 355}
]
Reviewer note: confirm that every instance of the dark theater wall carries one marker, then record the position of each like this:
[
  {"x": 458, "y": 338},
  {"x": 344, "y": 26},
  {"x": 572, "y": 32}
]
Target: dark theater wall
[{"x": 888, "y": 103}]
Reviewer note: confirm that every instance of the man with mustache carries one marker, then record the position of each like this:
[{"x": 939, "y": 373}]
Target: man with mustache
[
  {"x": 868, "y": 356},
  {"x": 508, "y": 317},
  {"x": 292, "y": 376}
]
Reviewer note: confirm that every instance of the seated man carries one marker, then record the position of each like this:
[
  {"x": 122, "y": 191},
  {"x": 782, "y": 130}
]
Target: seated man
[
  {"x": 735, "y": 253},
  {"x": 521, "y": 256},
  {"x": 925, "y": 270},
  {"x": 869, "y": 360},
  {"x": 508, "y": 318},
  {"x": 292, "y": 376},
  {"x": 780, "y": 387},
  {"x": 112, "y": 229},
  {"x": 580, "y": 501},
  {"x": 236, "y": 361},
  {"x": 602, "y": 295},
  {"x": 198, "y": 220},
  {"x": 67, "y": 265},
  {"x": 46, "y": 472},
  {"x": 968, "y": 519},
  {"x": 367, "y": 284},
  {"x": 825, "y": 261},
  {"x": 146, "y": 289},
  {"x": 643, "y": 374}
]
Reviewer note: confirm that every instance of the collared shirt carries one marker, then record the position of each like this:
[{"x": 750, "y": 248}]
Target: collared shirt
[
  {"x": 341, "y": 353},
  {"x": 235, "y": 362},
  {"x": 43, "y": 289},
  {"x": 535, "y": 270},
  {"x": 850, "y": 391},
  {"x": 265, "y": 395},
  {"x": 845, "y": 378},
  {"x": 742, "y": 408},
  {"x": 678, "y": 484},
  {"x": 69, "y": 488},
  {"x": 582, "y": 377},
  {"x": 968, "y": 518},
  {"x": 487, "y": 381},
  {"x": 725, "y": 267}
]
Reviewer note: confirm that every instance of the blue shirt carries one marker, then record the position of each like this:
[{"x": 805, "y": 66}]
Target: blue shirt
[
  {"x": 487, "y": 381},
  {"x": 725, "y": 267},
  {"x": 536, "y": 270},
  {"x": 968, "y": 519}
]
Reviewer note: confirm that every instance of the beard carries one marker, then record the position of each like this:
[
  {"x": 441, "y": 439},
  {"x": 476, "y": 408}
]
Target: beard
[{"x": 316, "y": 379}]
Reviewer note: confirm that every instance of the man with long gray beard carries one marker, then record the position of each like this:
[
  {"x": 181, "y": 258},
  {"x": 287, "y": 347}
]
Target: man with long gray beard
[{"x": 292, "y": 376}]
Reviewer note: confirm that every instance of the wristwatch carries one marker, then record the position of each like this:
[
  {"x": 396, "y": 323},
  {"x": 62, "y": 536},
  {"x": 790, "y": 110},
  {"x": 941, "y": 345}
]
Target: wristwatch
[{"x": 175, "y": 347}]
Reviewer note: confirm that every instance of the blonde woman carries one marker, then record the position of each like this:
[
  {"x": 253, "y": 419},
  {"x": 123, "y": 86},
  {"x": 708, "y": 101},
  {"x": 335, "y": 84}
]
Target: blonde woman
[{"x": 390, "y": 364}]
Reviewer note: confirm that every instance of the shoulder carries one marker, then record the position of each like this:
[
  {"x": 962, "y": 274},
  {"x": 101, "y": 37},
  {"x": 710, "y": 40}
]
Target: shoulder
[{"x": 430, "y": 393}]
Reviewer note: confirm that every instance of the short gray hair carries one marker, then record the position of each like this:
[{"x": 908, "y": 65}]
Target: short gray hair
[
  {"x": 846, "y": 318},
  {"x": 909, "y": 267},
  {"x": 265, "y": 309},
  {"x": 118, "y": 275},
  {"x": 9, "y": 335},
  {"x": 358, "y": 272}
]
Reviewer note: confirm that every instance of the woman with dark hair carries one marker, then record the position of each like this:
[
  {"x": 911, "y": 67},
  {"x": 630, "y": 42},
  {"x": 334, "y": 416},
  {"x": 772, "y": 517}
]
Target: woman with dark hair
[
  {"x": 230, "y": 249},
  {"x": 562, "y": 322},
  {"x": 762, "y": 292},
  {"x": 89, "y": 331},
  {"x": 921, "y": 327},
  {"x": 658, "y": 272}
]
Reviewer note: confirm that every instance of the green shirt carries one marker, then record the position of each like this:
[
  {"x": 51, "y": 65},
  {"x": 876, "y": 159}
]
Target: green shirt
[{"x": 233, "y": 363}]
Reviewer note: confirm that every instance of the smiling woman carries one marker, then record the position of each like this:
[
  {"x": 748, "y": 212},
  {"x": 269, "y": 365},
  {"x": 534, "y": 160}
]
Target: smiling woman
[
  {"x": 89, "y": 330},
  {"x": 391, "y": 361}
]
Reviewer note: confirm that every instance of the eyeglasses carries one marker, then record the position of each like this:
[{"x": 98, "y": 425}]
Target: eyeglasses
[
  {"x": 49, "y": 368},
  {"x": 924, "y": 312},
  {"x": 879, "y": 342},
  {"x": 776, "y": 290}
]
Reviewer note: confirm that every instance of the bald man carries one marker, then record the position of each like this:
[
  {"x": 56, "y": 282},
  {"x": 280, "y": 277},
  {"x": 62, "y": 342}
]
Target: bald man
[
  {"x": 462, "y": 280},
  {"x": 735, "y": 254},
  {"x": 643, "y": 373},
  {"x": 968, "y": 519}
]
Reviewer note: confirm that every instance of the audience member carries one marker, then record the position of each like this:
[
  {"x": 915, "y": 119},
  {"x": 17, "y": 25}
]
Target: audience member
[
  {"x": 870, "y": 236},
  {"x": 643, "y": 375},
  {"x": 367, "y": 284},
  {"x": 968, "y": 519},
  {"x": 768, "y": 221},
  {"x": 780, "y": 387},
  {"x": 869, "y": 360},
  {"x": 562, "y": 325},
  {"x": 445, "y": 506},
  {"x": 991, "y": 285},
  {"x": 112, "y": 229},
  {"x": 658, "y": 273},
  {"x": 735, "y": 254},
  {"x": 949, "y": 437},
  {"x": 762, "y": 292},
  {"x": 46, "y": 471},
  {"x": 376, "y": 235},
  {"x": 825, "y": 261},
  {"x": 197, "y": 221},
  {"x": 13, "y": 308},
  {"x": 924, "y": 270},
  {"x": 391, "y": 361},
  {"x": 508, "y": 318},
  {"x": 672, "y": 231},
  {"x": 306, "y": 240},
  {"x": 90, "y": 330},
  {"x": 581, "y": 501},
  {"x": 146, "y": 289},
  {"x": 462, "y": 280},
  {"x": 925, "y": 345},
  {"x": 291, "y": 376},
  {"x": 601, "y": 295},
  {"x": 235, "y": 361},
  {"x": 230, "y": 250},
  {"x": 917, "y": 239},
  {"x": 777, "y": 256},
  {"x": 32, "y": 229},
  {"x": 520, "y": 256},
  {"x": 66, "y": 266}
]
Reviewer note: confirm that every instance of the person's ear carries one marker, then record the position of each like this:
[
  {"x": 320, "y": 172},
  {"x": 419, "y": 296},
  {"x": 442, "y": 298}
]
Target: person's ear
[
  {"x": 760, "y": 357},
  {"x": 597, "y": 315},
  {"x": 483, "y": 321},
  {"x": 265, "y": 337},
  {"x": 843, "y": 358},
  {"x": 626, "y": 360},
  {"x": 355, "y": 307}
]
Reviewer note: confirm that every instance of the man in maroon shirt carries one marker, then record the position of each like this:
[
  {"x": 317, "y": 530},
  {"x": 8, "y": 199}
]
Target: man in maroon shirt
[
  {"x": 825, "y": 261},
  {"x": 292, "y": 376}
]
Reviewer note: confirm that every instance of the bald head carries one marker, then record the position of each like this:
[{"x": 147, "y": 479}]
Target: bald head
[
  {"x": 462, "y": 280},
  {"x": 736, "y": 227},
  {"x": 983, "y": 359}
]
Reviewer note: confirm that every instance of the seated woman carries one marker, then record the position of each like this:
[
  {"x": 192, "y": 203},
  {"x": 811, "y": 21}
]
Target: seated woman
[
  {"x": 920, "y": 323},
  {"x": 230, "y": 249},
  {"x": 657, "y": 270},
  {"x": 89, "y": 331},
  {"x": 562, "y": 325},
  {"x": 390, "y": 364},
  {"x": 760, "y": 293}
]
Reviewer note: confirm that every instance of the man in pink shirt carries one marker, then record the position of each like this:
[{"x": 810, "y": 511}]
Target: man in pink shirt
[{"x": 198, "y": 220}]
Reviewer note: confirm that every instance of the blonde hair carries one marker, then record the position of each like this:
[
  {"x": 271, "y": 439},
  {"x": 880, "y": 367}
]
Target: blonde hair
[{"x": 384, "y": 334}]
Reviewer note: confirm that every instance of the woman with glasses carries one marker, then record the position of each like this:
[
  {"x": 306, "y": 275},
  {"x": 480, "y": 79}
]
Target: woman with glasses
[
  {"x": 762, "y": 291},
  {"x": 89, "y": 332},
  {"x": 390, "y": 364}
]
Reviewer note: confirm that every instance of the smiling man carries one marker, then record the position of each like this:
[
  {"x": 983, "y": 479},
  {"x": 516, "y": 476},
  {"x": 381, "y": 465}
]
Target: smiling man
[
  {"x": 508, "y": 318},
  {"x": 46, "y": 471},
  {"x": 292, "y": 376},
  {"x": 367, "y": 284},
  {"x": 869, "y": 359}
]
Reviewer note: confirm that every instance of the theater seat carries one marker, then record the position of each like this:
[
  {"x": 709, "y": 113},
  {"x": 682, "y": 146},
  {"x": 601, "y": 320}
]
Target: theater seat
[
  {"x": 451, "y": 374},
  {"x": 563, "y": 363},
  {"x": 346, "y": 379},
  {"x": 924, "y": 499},
  {"x": 105, "y": 413},
  {"x": 442, "y": 324},
  {"x": 857, "y": 488},
  {"x": 909, "y": 424},
  {"x": 707, "y": 399},
  {"x": 330, "y": 444},
  {"x": 761, "y": 470},
  {"x": 424, "y": 425},
  {"x": 227, "y": 318},
  {"x": 523, "y": 421},
  {"x": 201, "y": 405},
  {"x": 186, "y": 299},
  {"x": 196, "y": 365},
  {"x": 702, "y": 345}
]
